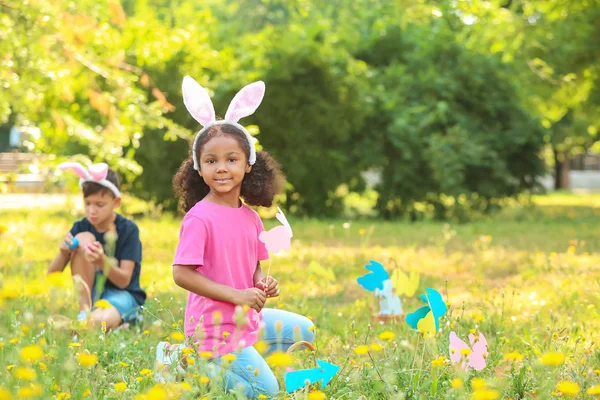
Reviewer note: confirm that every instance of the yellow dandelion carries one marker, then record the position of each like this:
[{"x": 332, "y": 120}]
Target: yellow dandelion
[
  {"x": 456, "y": 383},
  {"x": 177, "y": 336},
  {"x": 86, "y": 393},
  {"x": 387, "y": 335},
  {"x": 186, "y": 351},
  {"x": 120, "y": 387},
  {"x": 262, "y": 396},
  {"x": 477, "y": 384},
  {"x": 226, "y": 334},
  {"x": 190, "y": 361},
  {"x": 593, "y": 391},
  {"x": 567, "y": 388},
  {"x": 31, "y": 391},
  {"x": 376, "y": 347},
  {"x": 206, "y": 354},
  {"x": 74, "y": 344},
  {"x": 316, "y": 395},
  {"x": 145, "y": 372},
  {"x": 5, "y": 394},
  {"x": 513, "y": 356},
  {"x": 204, "y": 380},
  {"x": 122, "y": 364},
  {"x": 87, "y": 360},
  {"x": 465, "y": 351},
  {"x": 184, "y": 386},
  {"x": 14, "y": 340},
  {"x": 42, "y": 366},
  {"x": 146, "y": 332},
  {"x": 553, "y": 358},
  {"x": 63, "y": 396},
  {"x": 31, "y": 353},
  {"x": 9, "y": 293},
  {"x": 439, "y": 362},
  {"x": 279, "y": 359},
  {"x": 25, "y": 374},
  {"x": 102, "y": 303},
  {"x": 229, "y": 357},
  {"x": 361, "y": 350}
]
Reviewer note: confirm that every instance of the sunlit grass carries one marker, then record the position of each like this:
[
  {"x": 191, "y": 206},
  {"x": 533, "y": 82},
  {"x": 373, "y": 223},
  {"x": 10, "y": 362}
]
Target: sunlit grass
[{"x": 527, "y": 278}]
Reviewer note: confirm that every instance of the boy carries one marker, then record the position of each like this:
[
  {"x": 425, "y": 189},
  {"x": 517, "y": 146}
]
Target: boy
[{"x": 122, "y": 290}]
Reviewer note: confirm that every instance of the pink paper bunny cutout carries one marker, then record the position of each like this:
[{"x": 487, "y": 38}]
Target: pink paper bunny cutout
[
  {"x": 278, "y": 238},
  {"x": 475, "y": 359}
]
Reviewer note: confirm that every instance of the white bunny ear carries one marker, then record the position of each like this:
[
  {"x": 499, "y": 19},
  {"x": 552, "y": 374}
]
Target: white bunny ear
[
  {"x": 246, "y": 101},
  {"x": 98, "y": 171},
  {"x": 197, "y": 101},
  {"x": 75, "y": 166},
  {"x": 281, "y": 218}
]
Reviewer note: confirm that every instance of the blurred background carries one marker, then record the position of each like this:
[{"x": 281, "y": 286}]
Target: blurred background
[{"x": 382, "y": 108}]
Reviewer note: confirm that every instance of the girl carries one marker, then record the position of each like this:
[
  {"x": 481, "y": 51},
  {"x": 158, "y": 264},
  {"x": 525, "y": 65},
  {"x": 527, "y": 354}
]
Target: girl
[{"x": 218, "y": 256}]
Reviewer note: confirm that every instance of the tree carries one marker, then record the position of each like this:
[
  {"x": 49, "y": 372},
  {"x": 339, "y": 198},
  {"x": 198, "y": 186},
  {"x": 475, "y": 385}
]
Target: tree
[
  {"x": 65, "y": 71},
  {"x": 449, "y": 119}
]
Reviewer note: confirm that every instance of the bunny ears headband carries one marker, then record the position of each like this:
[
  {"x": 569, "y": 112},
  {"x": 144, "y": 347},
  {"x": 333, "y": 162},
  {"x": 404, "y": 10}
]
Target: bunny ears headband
[
  {"x": 95, "y": 173},
  {"x": 198, "y": 103}
]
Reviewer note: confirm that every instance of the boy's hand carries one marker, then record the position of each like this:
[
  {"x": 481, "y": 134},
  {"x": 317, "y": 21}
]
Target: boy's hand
[
  {"x": 94, "y": 253},
  {"x": 269, "y": 285},
  {"x": 64, "y": 245},
  {"x": 253, "y": 298}
]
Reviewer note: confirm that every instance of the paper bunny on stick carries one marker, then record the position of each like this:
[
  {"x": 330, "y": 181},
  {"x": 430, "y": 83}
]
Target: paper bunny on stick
[
  {"x": 95, "y": 173},
  {"x": 198, "y": 103},
  {"x": 279, "y": 237}
]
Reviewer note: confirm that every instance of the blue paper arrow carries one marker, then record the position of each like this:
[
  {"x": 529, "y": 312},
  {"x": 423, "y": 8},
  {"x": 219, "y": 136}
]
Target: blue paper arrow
[
  {"x": 373, "y": 280},
  {"x": 298, "y": 379}
]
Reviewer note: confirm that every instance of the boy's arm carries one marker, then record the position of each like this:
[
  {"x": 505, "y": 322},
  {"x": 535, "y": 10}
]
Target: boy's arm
[
  {"x": 60, "y": 262},
  {"x": 63, "y": 257},
  {"x": 121, "y": 276}
]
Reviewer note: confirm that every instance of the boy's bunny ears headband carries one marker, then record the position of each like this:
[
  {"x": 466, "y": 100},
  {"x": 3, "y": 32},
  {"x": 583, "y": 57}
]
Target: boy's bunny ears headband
[
  {"x": 96, "y": 173},
  {"x": 198, "y": 103}
]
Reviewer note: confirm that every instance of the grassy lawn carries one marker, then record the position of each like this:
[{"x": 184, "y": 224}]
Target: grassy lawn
[{"x": 527, "y": 278}]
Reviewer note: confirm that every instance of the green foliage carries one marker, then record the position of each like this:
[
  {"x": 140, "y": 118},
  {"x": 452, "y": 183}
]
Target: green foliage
[
  {"x": 450, "y": 101},
  {"x": 448, "y": 121}
]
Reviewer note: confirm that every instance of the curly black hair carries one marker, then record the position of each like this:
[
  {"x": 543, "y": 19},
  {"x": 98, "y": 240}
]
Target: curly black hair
[
  {"x": 90, "y": 188},
  {"x": 259, "y": 186}
]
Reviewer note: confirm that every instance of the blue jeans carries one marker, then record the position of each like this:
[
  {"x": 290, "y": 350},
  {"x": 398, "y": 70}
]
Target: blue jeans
[
  {"x": 120, "y": 299},
  {"x": 241, "y": 372}
]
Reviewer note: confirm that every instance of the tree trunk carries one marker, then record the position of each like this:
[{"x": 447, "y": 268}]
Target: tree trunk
[{"x": 561, "y": 171}]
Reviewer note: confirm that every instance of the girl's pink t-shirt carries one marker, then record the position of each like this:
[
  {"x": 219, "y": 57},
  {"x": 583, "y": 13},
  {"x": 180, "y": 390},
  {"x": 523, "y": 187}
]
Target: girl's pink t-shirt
[{"x": 222, "y": 243}]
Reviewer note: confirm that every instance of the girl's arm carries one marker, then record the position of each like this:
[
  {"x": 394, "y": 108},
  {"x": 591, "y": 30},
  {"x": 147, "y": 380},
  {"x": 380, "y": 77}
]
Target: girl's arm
[
  {"x": 188, "y": 278},
  {"x": 269, "y": 284},
  {"x": 258, "y": 274}
]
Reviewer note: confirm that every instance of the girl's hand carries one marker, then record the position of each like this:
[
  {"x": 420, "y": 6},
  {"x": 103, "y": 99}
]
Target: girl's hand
[
  {"x": 252, "y": 297},
  {"x": 269, "y": 285},
  {"x": 94, "y": 253},
  {"x": 64, "y": 245}
]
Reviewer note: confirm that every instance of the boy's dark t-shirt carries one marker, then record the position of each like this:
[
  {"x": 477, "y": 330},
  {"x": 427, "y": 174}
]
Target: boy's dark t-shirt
[{"x": 128, "y": 247}]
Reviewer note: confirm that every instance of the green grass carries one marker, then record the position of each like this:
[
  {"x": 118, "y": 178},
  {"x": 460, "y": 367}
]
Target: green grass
[{"x": 527, "y": 278}]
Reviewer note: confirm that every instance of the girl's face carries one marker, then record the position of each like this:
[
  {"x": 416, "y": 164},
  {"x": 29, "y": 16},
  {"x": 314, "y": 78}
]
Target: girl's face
[{"x": 223, "y": 165}]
